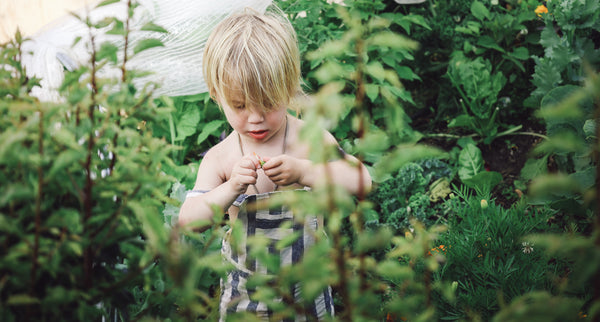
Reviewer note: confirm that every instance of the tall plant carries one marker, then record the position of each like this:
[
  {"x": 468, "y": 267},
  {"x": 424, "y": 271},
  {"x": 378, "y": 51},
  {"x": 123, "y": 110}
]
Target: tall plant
[{"x": 82, "y": 186}]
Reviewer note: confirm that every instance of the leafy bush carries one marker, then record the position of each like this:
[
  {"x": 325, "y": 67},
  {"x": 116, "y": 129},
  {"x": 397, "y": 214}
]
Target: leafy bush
[
  {"x": 408, "y": 195},
  {"x": 81, "y": 183},
  {"x": 486, "y": 255}
]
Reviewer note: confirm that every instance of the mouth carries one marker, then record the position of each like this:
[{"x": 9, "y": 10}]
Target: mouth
[{"x": 258, "y": 135}]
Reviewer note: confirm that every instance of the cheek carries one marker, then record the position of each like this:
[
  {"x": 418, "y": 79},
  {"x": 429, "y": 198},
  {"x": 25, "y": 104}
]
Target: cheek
[
  {"x": 276, "y": 118},
  {"x": 235, "y": 119}
]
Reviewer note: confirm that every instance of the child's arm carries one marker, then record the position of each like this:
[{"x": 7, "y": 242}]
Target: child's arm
[
  {"x": 346, "y": 172},
  {"x": 219, "y": 192}
]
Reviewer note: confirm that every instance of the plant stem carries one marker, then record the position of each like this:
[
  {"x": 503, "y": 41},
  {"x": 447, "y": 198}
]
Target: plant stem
[
  {"x": 38, "y": 206},
  {"x": 505, "y": 133},
  {"x": 87, "y": 189},
  {"x": 123, "y": 69}
]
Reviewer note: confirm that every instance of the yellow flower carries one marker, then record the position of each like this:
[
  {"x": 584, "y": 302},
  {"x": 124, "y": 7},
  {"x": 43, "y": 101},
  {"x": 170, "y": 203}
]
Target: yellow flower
[{"x": 541, "y": 9}]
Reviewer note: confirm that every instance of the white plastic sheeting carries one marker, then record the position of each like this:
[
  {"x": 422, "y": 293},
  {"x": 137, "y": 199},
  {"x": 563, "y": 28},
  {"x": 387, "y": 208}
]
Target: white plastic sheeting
[{"x": 176, "y": 67}]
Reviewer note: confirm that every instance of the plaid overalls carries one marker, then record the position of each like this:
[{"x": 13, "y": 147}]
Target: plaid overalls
[{"x": 235, "y": 297}]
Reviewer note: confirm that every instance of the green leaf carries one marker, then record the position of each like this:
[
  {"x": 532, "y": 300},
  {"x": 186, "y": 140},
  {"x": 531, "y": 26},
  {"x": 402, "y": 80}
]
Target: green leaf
[
  {"x": 562, "y": 103},
  {"x": 480, "y": 11},
  {"x": 117, "y": 29},
  {"x": 106, "y": 2},
  {"x": 534, "y": 168},
  {"x": 390, "y": 39},
  {"x": 472, "y": 28},
  {"x": 187, "y": 122},
  {"x": 374, "y": 141},
  {"x": 376, "y": 70},
  {"x": 489, "y": 42},
  {"x": 154, "y": 27},
  {"x": 402, "y": 155},
  {"x": 520, "y": 53},
  {"x": 108, "y": 51},
  {"x": 589, "y": 129},
  {"x": 463, "y": 120},
  {"x": 22, "y": 299},
  {"x": 470, "y": 162},
  {"x": 484, "y": 179},
  {"x": 64, "y": 160},
  {"x": 104, "y": 23},
  {"x": 372, "y": 91},
  {"x": 407, "y": 73},
  {"x": 209, "y": 129},
  {"x": 147, "y": 44}
]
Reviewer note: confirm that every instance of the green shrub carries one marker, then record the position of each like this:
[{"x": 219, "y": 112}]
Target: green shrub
[
  {"x": 485, "y": 254},
  {"x": 82, "y": 190},
  {"x": 408, "y": 195}
]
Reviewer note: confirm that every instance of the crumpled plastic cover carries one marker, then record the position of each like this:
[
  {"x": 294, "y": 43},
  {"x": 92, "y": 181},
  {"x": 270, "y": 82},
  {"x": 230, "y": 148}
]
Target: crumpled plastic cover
[{"x": 176, "y": 67}]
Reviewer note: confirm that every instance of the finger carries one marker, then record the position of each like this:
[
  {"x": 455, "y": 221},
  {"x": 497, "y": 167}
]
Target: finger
[
  {"x": 272, "y": 163},
  {"x": 246, "y": 172},
  {"x": 248, "y": 163}
]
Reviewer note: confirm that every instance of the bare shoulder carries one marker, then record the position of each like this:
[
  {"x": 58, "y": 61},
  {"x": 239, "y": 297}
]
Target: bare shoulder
[
  {"x": 216, "y": 164},
  {"x": 298, "y": 124},
  {"x": 300, "y": 146}
]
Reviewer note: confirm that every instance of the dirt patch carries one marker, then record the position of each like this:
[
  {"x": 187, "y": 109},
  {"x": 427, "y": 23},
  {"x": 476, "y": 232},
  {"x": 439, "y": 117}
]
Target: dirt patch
[{"x": 506, "y": 155}]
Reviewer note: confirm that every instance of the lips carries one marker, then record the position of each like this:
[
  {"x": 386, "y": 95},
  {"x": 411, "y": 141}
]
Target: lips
[{"x": 258, "y": 135}]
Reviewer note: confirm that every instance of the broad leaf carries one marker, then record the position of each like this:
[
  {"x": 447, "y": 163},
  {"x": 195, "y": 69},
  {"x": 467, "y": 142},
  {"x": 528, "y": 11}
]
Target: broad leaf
[
  {"x": 209, "y": 129},
  {"x": 480, "y": 11},
  {"x": 470, "y": 162}
]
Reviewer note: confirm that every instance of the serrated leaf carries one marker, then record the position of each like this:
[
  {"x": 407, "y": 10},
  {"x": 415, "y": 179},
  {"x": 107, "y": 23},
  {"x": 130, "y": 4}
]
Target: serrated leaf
[{"x": 147, "y": 44}]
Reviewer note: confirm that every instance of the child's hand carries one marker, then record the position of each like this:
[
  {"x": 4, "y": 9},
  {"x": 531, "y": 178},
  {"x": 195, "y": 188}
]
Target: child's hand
[
  {"x": 243, "y": 174},
  {"x": 284, "y": 170}
]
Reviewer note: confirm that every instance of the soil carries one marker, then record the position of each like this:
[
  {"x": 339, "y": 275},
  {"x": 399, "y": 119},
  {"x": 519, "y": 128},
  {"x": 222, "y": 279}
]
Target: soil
[{"x": 506, "y": 155}]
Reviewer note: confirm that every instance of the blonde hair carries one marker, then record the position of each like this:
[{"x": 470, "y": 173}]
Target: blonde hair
[{"x": 256, "y": 56}]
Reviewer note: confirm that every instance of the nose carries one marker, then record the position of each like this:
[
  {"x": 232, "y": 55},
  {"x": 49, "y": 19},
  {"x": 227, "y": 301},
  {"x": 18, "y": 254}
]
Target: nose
[{"x": 255, "y": 116}]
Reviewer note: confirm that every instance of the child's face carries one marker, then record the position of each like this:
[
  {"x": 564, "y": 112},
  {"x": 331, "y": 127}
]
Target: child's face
[{"x": 254, "y": 122}]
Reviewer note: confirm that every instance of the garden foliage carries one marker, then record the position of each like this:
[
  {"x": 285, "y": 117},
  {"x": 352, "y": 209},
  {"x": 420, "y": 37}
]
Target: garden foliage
[
  {"x": 81, "y": 186},
  {"x": 91, "y": 186}
]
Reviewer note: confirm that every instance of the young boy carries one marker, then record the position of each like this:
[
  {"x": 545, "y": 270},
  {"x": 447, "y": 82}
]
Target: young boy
[{"x": 252, "y": 69}]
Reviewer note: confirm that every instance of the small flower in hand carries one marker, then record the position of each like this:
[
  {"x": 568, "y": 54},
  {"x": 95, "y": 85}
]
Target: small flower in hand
[{"x": 260, "y": 160}]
